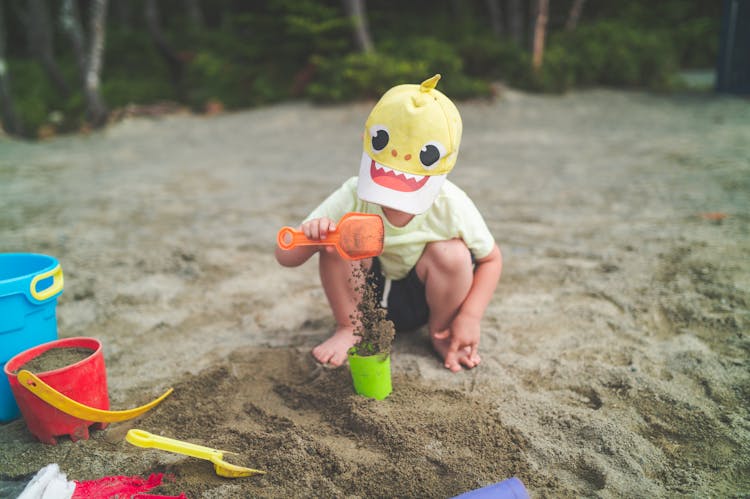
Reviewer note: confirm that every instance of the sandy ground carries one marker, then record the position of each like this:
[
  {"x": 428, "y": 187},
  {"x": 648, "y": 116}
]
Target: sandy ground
[{"x": 616, "y": 350}]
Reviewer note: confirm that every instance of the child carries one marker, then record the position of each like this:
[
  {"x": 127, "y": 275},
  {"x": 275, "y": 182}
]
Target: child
[{"x": 440, "y": 264}]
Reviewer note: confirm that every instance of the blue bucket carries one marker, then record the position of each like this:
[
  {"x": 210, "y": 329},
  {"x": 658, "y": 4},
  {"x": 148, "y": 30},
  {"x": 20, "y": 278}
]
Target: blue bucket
[{"x": 29, "y": 287}]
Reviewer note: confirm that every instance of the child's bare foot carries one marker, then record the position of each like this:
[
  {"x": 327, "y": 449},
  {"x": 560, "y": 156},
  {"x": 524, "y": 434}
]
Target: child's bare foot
[
  {"x": 333, "y": 350},
  {"x": 453, "y": 360}
]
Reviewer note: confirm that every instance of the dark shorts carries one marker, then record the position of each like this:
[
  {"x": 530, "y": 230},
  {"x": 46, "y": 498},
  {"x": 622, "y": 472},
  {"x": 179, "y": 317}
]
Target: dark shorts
[{"x": 406, "y": 302}]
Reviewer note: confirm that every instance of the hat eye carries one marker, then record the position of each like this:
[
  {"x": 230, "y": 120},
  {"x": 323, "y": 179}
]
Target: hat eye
[
  {"x": 379, "y": 137},
  {"x": 431, "y": 153}
]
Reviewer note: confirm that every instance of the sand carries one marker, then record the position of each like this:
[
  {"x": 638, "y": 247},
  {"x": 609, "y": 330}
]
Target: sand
[{"x": 616, "y": 350}]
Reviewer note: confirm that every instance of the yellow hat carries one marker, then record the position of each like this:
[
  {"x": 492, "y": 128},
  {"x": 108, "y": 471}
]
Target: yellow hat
[{"x": 411, "y": 142}]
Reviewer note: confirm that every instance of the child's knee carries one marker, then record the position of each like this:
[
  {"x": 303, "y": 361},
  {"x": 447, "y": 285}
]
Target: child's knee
[{"x": 452, "y": 256}]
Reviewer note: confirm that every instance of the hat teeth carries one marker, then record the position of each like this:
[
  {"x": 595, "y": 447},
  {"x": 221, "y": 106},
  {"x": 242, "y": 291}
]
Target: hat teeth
[
  {"x": 413, "y": 176},
  {"x": 386, "y": 169}
]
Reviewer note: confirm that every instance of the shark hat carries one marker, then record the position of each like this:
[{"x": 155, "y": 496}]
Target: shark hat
[{"x": 410, "y": 144}]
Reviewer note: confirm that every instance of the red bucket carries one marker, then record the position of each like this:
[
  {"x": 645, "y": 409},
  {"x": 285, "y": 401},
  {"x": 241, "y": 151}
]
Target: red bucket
[{"x": 85, "y": 382}]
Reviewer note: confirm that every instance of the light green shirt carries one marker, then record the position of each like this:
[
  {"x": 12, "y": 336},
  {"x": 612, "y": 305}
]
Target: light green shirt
[{"x": 452, "y": 215}]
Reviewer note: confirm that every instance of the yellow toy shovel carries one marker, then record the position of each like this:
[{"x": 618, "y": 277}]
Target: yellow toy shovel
[{"x": 143, "y": 438}]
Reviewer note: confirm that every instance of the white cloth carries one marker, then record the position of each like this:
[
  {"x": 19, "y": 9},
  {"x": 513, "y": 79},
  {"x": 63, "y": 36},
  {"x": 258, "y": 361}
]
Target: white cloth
[{"x": 49, "y": 483}]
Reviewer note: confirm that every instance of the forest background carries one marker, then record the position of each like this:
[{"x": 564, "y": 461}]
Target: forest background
[{"x": 70, "y": 65}]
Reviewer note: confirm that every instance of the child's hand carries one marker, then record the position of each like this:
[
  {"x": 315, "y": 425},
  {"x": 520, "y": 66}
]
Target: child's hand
[
  {"x": 463, "y": 340},
  {"x": 318, "y": 228},
  {"x": 315, "y": 230}
]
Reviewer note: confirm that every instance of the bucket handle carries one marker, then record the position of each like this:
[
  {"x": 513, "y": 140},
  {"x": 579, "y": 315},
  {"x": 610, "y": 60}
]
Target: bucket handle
[
  {"x": 56, "y": 287},
  {"x": 69, "y": 406}
]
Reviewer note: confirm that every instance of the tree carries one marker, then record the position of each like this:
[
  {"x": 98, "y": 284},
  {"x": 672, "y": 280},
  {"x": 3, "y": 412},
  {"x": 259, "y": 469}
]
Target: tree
[
  {"x": 10, "y": 120},
  {"x": 195, "y": 14},
  {"x": 496, "y": 17},
  {"x": 95, "y": 108},
  {"x": 540, "y": 29},
  {"x": 70, "y": 21},
  {"x": 122, "y": 13},
  {"x": 89, "y": 65},
  {"x": 574, "y": 15},
  {"x": 170, "y": 56},
  {"x": 40, "y": 35},
  {"x": 515, "y": 21},
  {"x": 357, "y": 12}
]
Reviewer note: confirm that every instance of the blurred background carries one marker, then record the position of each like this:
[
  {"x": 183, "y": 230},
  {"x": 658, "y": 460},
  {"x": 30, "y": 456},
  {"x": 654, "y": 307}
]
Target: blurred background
[{"x": 70, "y": 65}]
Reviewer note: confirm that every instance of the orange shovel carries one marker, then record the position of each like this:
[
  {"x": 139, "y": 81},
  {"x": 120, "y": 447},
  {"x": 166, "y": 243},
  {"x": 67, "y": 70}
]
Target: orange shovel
[{"x": 357, "y": 236}]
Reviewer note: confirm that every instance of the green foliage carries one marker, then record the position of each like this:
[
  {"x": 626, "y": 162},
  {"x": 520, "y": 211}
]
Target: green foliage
[
  {"x": 438, "y": 56},
  {"x": 34, "y": 103},
  {"x": 556, "y": 74},
  {"x": 133, "y": 71},
  {"x": 212, "y": 75},
  {"x": 252, "y": 53},
  {"x": 616, "y": 54},
  {"x": 691, "y": 25},
  {"x": 696, "y": 42},
  {"x": 37, "y": 101},
  {"x": 314, "y": 27},
  {"x": 488, "y": 56},
  {"x": 119, "y": 92},
  {"x": 607, "y": 53},
  {"x": 356, "y": 76},
  {"x": 648, "y": 15},
  {"x": 256, "y": 56}
]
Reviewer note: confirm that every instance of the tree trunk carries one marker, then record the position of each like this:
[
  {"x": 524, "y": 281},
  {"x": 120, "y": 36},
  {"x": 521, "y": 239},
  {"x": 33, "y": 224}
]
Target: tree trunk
[
  {"x": 39, "y": 32},
  {"x": 95, "y": 107},
  {"x": 540, "y": 29},
  {"x": 357, "y": 11},
  {"x": 195, "y": 14},
  {"x": 173, "y": 61},
  {"x": 123, "y": 14},
  {"x": 574, "y": 15},
  {"x": 515, "y": 21},
  {"x": 496, "y": 17},
  {"x": 70, "y": 20},
  {"x": 10, "y": 121}
]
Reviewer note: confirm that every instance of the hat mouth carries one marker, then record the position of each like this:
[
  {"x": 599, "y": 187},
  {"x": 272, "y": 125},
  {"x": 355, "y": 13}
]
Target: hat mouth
[
  {"x": 395, "y": 179},
  {"x": 399, "y": 190}
]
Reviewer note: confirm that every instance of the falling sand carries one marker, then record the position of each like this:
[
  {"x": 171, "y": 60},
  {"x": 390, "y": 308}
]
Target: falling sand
[{"x": 376, "y": 333}]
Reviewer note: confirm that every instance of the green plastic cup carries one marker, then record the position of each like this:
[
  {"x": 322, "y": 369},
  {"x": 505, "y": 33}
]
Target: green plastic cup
[{"x": 371, "y": 374}]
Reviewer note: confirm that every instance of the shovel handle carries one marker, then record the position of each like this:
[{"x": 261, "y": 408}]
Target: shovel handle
[
  {"x": 289, "y": 237},
  {"x": 69, "y": 406},
  {"x": 142, "y": 438}
]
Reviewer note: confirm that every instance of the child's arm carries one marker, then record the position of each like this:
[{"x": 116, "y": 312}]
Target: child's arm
[
  {"x": 315, "y": 229},
  {"x": 464, "y": 330}
]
